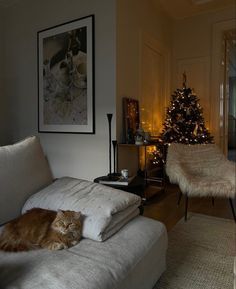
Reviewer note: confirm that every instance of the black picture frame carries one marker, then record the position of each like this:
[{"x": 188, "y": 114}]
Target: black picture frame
[{"x": 66, "y": 90}]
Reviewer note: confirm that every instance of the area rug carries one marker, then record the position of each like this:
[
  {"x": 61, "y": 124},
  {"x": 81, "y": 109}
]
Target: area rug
[{"x": 200, "y": 254}]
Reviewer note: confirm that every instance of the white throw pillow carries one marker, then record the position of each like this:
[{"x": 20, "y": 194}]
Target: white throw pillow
[
  {"x": 105, "y": 210},
  {"x": 24, "y": 170}
]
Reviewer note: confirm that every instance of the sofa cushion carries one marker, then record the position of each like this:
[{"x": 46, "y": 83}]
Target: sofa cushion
[
  {"x": 105, "y": 210},
  {"x": 133, "y": 258},
  {"x": 23, "y": 171}
]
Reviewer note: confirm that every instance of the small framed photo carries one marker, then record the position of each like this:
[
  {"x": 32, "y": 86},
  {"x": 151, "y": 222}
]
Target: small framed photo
[
  {"x": 131, "y": 118},
  {"x": 66, "y": 77}
]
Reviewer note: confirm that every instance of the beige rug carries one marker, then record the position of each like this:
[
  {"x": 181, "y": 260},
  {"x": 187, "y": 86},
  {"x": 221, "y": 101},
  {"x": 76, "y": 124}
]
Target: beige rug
[{"x": 200, "y": 255}]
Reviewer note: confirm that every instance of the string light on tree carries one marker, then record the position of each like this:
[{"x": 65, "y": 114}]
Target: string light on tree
[
  {"x": 184, "y": 121},
  {"x": 156, "y": 156}
]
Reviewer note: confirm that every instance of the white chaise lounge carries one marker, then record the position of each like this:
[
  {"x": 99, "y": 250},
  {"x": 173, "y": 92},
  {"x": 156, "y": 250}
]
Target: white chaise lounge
[{"x": 116, "y": 252}]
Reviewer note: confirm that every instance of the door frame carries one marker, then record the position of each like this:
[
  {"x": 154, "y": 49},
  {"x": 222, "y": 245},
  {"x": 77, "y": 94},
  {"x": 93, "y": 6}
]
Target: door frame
[{"x": 219, "y": 97}]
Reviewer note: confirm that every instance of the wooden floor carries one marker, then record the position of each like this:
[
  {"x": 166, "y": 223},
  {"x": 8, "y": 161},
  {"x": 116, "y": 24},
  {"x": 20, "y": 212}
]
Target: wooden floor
[{"x": 163, "y": 206}]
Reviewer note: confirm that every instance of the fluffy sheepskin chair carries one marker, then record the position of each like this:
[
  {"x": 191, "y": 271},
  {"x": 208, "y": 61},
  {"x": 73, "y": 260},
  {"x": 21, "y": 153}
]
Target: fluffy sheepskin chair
[{"x": 201, "y": 171}]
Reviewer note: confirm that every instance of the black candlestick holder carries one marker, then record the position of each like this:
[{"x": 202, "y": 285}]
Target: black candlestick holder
[
  {"x": 109, "y": 118},
  {"x": 115, "y": 159},
  {"x": 114, "y": 175}
]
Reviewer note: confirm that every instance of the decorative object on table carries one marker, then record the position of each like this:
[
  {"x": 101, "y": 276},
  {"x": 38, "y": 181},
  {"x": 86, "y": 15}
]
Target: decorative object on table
[
  {"x": 66, "y": 77},
  {"x": 124, "y": 174},
  {"x": 184, "y": 121},
  {"x": 138, "y": 139},
  {"x": 147, "y": 137},
  {"x": 130, "y": 136},
  {"x": 109, "y": 118},
  {"x": 119, "y": 181},
  {"x": 139, "y": 136},
  {"x": 115, "y": 158},
  {"x": 131, "y": 118},
  {"x": 111, "y": 176},
  {"x": 136, "y": 185},
  {"x": 114, "y": 175}
]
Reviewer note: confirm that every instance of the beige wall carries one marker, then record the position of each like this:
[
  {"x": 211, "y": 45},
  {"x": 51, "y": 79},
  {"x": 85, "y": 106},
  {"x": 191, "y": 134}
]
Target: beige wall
[
  {"x": 136, "y": 20},
  {"x": 83, "y": 156},
  {"x": 192, "y": 51}
]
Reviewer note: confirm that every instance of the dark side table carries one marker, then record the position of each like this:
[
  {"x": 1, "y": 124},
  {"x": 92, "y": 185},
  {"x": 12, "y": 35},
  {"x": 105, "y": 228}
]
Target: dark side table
[{"x": 136, "y": 186}]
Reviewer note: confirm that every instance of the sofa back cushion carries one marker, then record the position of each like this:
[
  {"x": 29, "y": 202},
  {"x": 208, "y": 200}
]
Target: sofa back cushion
[{"x": 23, "y": 171}]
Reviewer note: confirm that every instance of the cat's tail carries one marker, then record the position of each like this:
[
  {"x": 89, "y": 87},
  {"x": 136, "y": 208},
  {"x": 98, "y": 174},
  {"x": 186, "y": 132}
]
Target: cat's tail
[
  {"x": 13, "y": 246},
  {"x": 10, "y": 240}
]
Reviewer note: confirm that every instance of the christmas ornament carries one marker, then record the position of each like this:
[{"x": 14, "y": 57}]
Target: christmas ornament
[{"x": 195, "y": 130}]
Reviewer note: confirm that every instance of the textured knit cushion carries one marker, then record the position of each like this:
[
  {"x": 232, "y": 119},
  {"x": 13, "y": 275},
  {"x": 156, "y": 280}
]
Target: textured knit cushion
[{"x": 23, "y": 171}]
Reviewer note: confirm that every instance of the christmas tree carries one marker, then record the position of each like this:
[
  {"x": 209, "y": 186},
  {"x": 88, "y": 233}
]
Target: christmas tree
[{"x": 184, "y": 121}]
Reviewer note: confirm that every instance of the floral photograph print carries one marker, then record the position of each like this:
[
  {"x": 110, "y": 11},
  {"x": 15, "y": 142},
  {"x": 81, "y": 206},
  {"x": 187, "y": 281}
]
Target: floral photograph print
[{"x": 66, "y": 77}]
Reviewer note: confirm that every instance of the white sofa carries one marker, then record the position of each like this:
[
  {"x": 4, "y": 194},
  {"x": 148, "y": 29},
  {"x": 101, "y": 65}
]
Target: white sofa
[{"x": 116, "y": 253}]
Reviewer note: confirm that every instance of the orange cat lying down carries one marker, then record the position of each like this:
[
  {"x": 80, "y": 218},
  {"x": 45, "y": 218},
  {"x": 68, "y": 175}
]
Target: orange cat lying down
[{"x": 40, "y": 228}]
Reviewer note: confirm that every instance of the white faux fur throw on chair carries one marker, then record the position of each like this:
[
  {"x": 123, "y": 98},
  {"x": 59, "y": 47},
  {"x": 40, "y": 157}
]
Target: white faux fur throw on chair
[{"x": 201, "y": 170}]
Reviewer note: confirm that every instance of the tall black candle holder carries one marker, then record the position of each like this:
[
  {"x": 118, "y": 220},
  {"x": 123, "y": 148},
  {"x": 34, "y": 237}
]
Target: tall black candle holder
[
  {"x": 111, "y": 175},
  {"x": 115, "y": 159},
  {"x": 114, "y": 143},
  {"x": 109, "y": 118}
]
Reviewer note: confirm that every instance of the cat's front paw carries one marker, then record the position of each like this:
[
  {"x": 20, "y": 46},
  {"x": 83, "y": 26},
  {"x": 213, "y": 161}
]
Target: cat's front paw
[
  {"x": 73, "y": 243},
  {"x": 57, "y": 246}
]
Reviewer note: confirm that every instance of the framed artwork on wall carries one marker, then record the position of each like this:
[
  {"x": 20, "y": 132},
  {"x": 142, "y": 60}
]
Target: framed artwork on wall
[
  {"x": 66, "y": 77},
  {"x": 131, "y": 118}
]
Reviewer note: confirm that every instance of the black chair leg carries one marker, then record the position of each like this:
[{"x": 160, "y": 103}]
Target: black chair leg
[
  {"x": 232, "y": 208},
  {"x": 180, "y": 197},
  {"x": 186, "y": 208}
]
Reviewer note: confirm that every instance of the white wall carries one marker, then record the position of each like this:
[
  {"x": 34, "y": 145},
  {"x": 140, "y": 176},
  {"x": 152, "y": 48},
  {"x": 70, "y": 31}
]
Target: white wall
[
  {"x": 3, "y": 120},
  {"x": 83, "y": 156},
  {"x": 192, "y": 51}
]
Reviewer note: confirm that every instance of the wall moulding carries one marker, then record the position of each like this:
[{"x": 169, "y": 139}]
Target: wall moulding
[
  {"x": 154, "y": 82},
  {"x": 218, "y": 93}
]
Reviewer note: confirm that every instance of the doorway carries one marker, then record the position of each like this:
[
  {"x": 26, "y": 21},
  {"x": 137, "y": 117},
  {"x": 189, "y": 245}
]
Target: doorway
[{"x": 230, "y": 91}]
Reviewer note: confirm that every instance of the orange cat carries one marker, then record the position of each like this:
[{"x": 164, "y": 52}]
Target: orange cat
[{"x": 40, "y": 228}]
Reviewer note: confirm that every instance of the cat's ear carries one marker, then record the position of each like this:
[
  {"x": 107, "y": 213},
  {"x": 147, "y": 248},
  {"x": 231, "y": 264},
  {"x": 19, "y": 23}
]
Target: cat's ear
[
  {"x": 60, "y": 213},
  {"x": 77, "y": 215}
]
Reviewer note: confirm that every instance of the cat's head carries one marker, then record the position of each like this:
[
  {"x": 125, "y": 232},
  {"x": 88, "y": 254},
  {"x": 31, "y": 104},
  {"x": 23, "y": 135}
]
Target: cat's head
[{"x": 67, "y": 222}]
